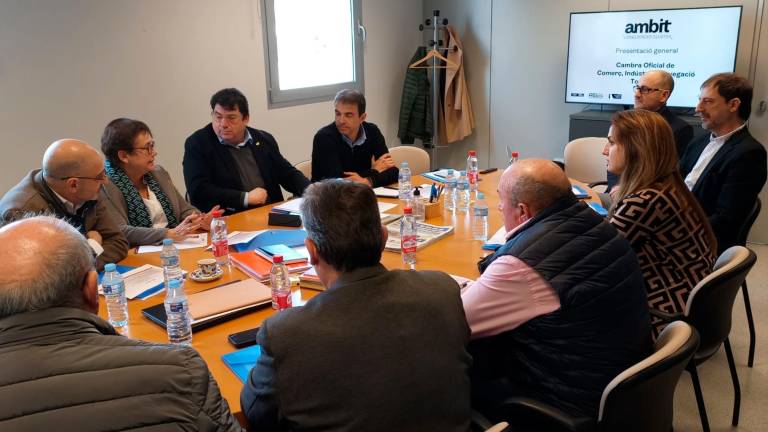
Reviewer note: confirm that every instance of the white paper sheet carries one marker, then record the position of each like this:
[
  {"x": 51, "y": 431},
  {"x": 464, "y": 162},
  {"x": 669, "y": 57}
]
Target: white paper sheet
[
  {"x": 498, "y": 238},
  {"x": 196, "y": 241},
  {"x": 141, "y": 279},
  {"x": 291, "y": 206},
  {"x": 386, "y": 192}
]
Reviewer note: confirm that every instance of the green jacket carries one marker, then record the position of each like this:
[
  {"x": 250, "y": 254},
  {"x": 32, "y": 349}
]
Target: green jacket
[
  {"x": 65, "y": 369},
  {"x": 416, "y": 104}
]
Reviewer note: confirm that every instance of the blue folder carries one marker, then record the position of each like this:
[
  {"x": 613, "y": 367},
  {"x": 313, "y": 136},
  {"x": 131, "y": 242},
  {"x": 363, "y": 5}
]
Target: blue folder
[
  {"x": 242, "y": 361},
  {"x": 598, "y": 208},
  {"x": 290, "y": 238},
  {"x": 579, "y": 191}
]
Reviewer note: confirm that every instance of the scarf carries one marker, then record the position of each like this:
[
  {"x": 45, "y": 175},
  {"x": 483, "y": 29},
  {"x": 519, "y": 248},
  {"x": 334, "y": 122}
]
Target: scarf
[{"x": 138, "y": 215}]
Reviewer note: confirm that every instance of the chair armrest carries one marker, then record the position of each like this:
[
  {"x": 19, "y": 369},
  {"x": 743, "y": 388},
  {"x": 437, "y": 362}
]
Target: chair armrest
[
  {"x": 665, "y": 316},
  {"x": 481, "y": 424},
  {"x": 598, "y": 183},
  {"x": 530, "y": 414}
]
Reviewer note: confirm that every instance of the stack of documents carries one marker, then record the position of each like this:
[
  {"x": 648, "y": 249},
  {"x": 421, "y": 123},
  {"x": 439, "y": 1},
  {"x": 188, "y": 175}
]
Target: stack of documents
[{"x": 426, "y": 234}]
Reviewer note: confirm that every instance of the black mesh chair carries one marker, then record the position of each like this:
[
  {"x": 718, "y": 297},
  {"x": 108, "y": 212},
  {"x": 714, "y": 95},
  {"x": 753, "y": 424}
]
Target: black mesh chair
[
  {"x": 708, "y": 310},
  {"x": 742, "y": 241},
  {"x": 638, "y": 399}
]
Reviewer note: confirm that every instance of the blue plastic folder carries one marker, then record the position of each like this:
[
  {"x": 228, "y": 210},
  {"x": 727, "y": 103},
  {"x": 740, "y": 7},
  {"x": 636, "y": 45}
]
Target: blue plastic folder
[
  {"x": 290, "y": 238},
  {"x": 598, "y": 208},
  {"x": 242, "y": 361},
  {"x": 579, "y": 191}
]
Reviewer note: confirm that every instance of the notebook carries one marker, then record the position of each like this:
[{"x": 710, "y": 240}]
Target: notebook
[
  {"x": 242, "y": 361},
  {"x": 218, "y": 304},
  {"x": 258, "y": 267},
  {"x": 309, "y": 279},
  {"x": 289, "y": 255}
]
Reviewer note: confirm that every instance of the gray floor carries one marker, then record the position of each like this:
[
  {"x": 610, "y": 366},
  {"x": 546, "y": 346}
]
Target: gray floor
[{"x": 714, "y": 375}]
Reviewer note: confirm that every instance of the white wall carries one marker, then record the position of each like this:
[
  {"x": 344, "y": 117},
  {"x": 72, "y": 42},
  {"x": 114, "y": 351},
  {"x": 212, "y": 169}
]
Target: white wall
[
  {"x": 472, "y": 20},
  {"x": 67, "y": 67}
]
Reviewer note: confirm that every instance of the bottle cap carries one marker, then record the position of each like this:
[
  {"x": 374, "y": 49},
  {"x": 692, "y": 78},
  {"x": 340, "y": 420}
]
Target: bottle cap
[
  {"x": 277, "y": 259},
  {"x": 416, "y": 191},
  {"x": 480, "y": 195},
  {"x": 167, "y": 241},
  {"x": 461, "y": 173},
  {"x": 450, "y": 170},
  {"x": 218, "y": 213},
  {"x": 515, "y": 154},
  {"x": 109, "y": 267},
  {"x": 174, "y": 283},
  {"x": 407, "y": 210},
  {"x": 472, "y": 153},
  {"x": 404, "y": 164}
]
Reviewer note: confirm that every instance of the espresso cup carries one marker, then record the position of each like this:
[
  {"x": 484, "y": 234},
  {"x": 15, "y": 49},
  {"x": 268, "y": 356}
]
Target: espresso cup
[{"x": 208, "y": 266}]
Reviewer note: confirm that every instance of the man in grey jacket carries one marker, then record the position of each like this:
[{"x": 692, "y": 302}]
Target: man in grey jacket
[
  {"x": 379, "y": 350},
  {"x": 66, "y": 369}
]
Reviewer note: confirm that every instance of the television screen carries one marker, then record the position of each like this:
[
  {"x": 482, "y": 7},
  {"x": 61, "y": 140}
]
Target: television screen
[{"x": 608, "y": 52}]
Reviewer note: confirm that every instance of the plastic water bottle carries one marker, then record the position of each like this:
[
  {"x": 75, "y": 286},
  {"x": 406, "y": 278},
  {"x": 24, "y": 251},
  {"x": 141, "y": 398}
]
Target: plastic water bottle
[
  {"x": 404, "y": 181},
  {"x": 480, "y": 218},
  {"x": 280, "y": 280},
  {"x": 219, "y": 238},
  {"x": 114, "y": 293},
  {"x": 450, "y": 191},
  {"x": 408, "y": 237},
  {"x": 178, "y": 322},
  {"x": 462, "y": 193},
  {"x": 417, "y": 204},
  {"x": 169, "y": 257},
  {"x": 514, "y": 157},
  {"x": 472, "y": 171}
]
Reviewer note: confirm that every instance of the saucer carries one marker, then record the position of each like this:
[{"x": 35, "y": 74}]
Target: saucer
[{"x": 197, "y": 276}]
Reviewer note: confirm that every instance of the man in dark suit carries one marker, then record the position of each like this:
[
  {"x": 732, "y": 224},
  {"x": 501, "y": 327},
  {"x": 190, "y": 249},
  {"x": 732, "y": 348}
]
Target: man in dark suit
[
  {"x": 652, "y": 92},
  {"x": 727, "y": 169},
  {"x": 379, "y": 350},
  {"x": 233, "y": 165}
]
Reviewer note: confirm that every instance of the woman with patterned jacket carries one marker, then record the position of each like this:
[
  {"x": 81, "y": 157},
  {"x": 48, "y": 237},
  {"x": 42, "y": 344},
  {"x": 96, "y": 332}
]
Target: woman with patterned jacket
[
  {"x": 656, "y": 212},
  {"x": 140, "y": 195}
]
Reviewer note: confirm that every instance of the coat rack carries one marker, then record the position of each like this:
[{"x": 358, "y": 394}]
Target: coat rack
[{"x": 434, "y": 56}]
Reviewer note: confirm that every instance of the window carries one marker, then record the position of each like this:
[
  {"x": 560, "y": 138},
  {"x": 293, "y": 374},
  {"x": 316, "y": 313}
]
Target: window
[{"x": 313, "y": 49}]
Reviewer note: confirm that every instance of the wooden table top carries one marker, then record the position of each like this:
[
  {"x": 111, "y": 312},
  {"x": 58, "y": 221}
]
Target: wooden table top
[{"x": 456, "y": 254}]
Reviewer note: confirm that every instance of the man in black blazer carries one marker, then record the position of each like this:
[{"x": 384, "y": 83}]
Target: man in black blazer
[
  {"x": 727, "y": 169},
  {"x": 379, "y": 350},
  {"x": 233, "y": 165},
  {"x": 652, "y": 92}
]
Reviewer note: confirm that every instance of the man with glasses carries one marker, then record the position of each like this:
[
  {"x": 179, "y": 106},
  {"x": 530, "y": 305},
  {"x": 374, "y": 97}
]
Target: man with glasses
[
  {"x": 67, "y": 187},
  {"x": 233, "y": 165},
  {"x": 651, "y": 93}
]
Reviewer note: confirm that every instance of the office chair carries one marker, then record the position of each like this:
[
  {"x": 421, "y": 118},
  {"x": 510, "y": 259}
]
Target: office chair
[
  {"x": 584, "y": 160},
  {"x": 305, "y": 167},
  {"x": 742, "y": 241},
  {"x": 638, "y": 399},
  {"x": 708, "y": 310},
  {"x": 418, "y": 159}
]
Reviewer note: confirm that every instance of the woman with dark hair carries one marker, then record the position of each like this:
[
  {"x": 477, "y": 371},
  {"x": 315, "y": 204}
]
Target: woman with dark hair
[
  {"x": 655, "y": 211},
  {"x": 140, "y": 195}
]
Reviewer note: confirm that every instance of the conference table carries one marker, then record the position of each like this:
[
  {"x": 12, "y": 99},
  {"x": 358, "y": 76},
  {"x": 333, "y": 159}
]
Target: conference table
[{"x": 456, "y": 254}]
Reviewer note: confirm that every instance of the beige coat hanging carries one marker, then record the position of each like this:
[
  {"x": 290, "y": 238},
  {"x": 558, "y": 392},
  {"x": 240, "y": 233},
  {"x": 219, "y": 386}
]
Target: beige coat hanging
[{"x": 457, "y": 110}]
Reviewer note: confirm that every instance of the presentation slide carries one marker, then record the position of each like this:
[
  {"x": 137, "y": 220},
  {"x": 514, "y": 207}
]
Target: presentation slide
[{"x": 608, "y": 52}]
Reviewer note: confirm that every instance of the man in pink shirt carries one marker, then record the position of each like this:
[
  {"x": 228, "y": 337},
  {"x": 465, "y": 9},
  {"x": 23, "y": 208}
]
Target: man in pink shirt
[{"x": 559, "y": 310}]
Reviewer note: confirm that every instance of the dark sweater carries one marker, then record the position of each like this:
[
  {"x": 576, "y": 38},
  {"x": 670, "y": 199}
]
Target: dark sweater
[
  {"x": 331, "y": 156},
  {"x": 567, "y": 357}
]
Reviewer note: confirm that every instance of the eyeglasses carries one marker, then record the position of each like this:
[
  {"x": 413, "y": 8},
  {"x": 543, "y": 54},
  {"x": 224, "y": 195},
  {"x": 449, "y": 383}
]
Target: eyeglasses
[
  {"x": 646, "y": 90},
  {"x": 101, "y": 177},
  {"x": 149, "y": 148}
]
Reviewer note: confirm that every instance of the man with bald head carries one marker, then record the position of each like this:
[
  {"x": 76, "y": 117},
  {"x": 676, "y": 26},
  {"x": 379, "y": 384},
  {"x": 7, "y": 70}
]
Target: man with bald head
[
  {"x": 66, "y": 369},
  {"x": 67, "y": 187},
  {"x": 560, "y": 309}
]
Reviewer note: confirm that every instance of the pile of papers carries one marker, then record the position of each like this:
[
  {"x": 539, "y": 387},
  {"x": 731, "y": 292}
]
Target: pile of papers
[{"x": 426, "y": 234}]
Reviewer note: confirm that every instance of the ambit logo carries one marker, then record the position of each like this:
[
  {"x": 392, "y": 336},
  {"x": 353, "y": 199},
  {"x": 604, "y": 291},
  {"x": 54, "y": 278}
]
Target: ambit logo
[{"x": 650, "y": 27}]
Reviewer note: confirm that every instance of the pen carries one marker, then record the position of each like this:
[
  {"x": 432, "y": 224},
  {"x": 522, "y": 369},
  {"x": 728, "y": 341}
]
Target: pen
[{"x": 433, "y": 193}]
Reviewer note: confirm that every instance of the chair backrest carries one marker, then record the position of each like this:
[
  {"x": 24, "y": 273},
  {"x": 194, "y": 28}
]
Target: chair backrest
[
  {"x": 418, "y": 159},
  {"x": 741, "y": 240},
  {"x": 306, "y": 168},
  {"x": 584, "y": 160},
  {"x": 641, "y": 397},
  {"x": 710, "y": 303}
]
